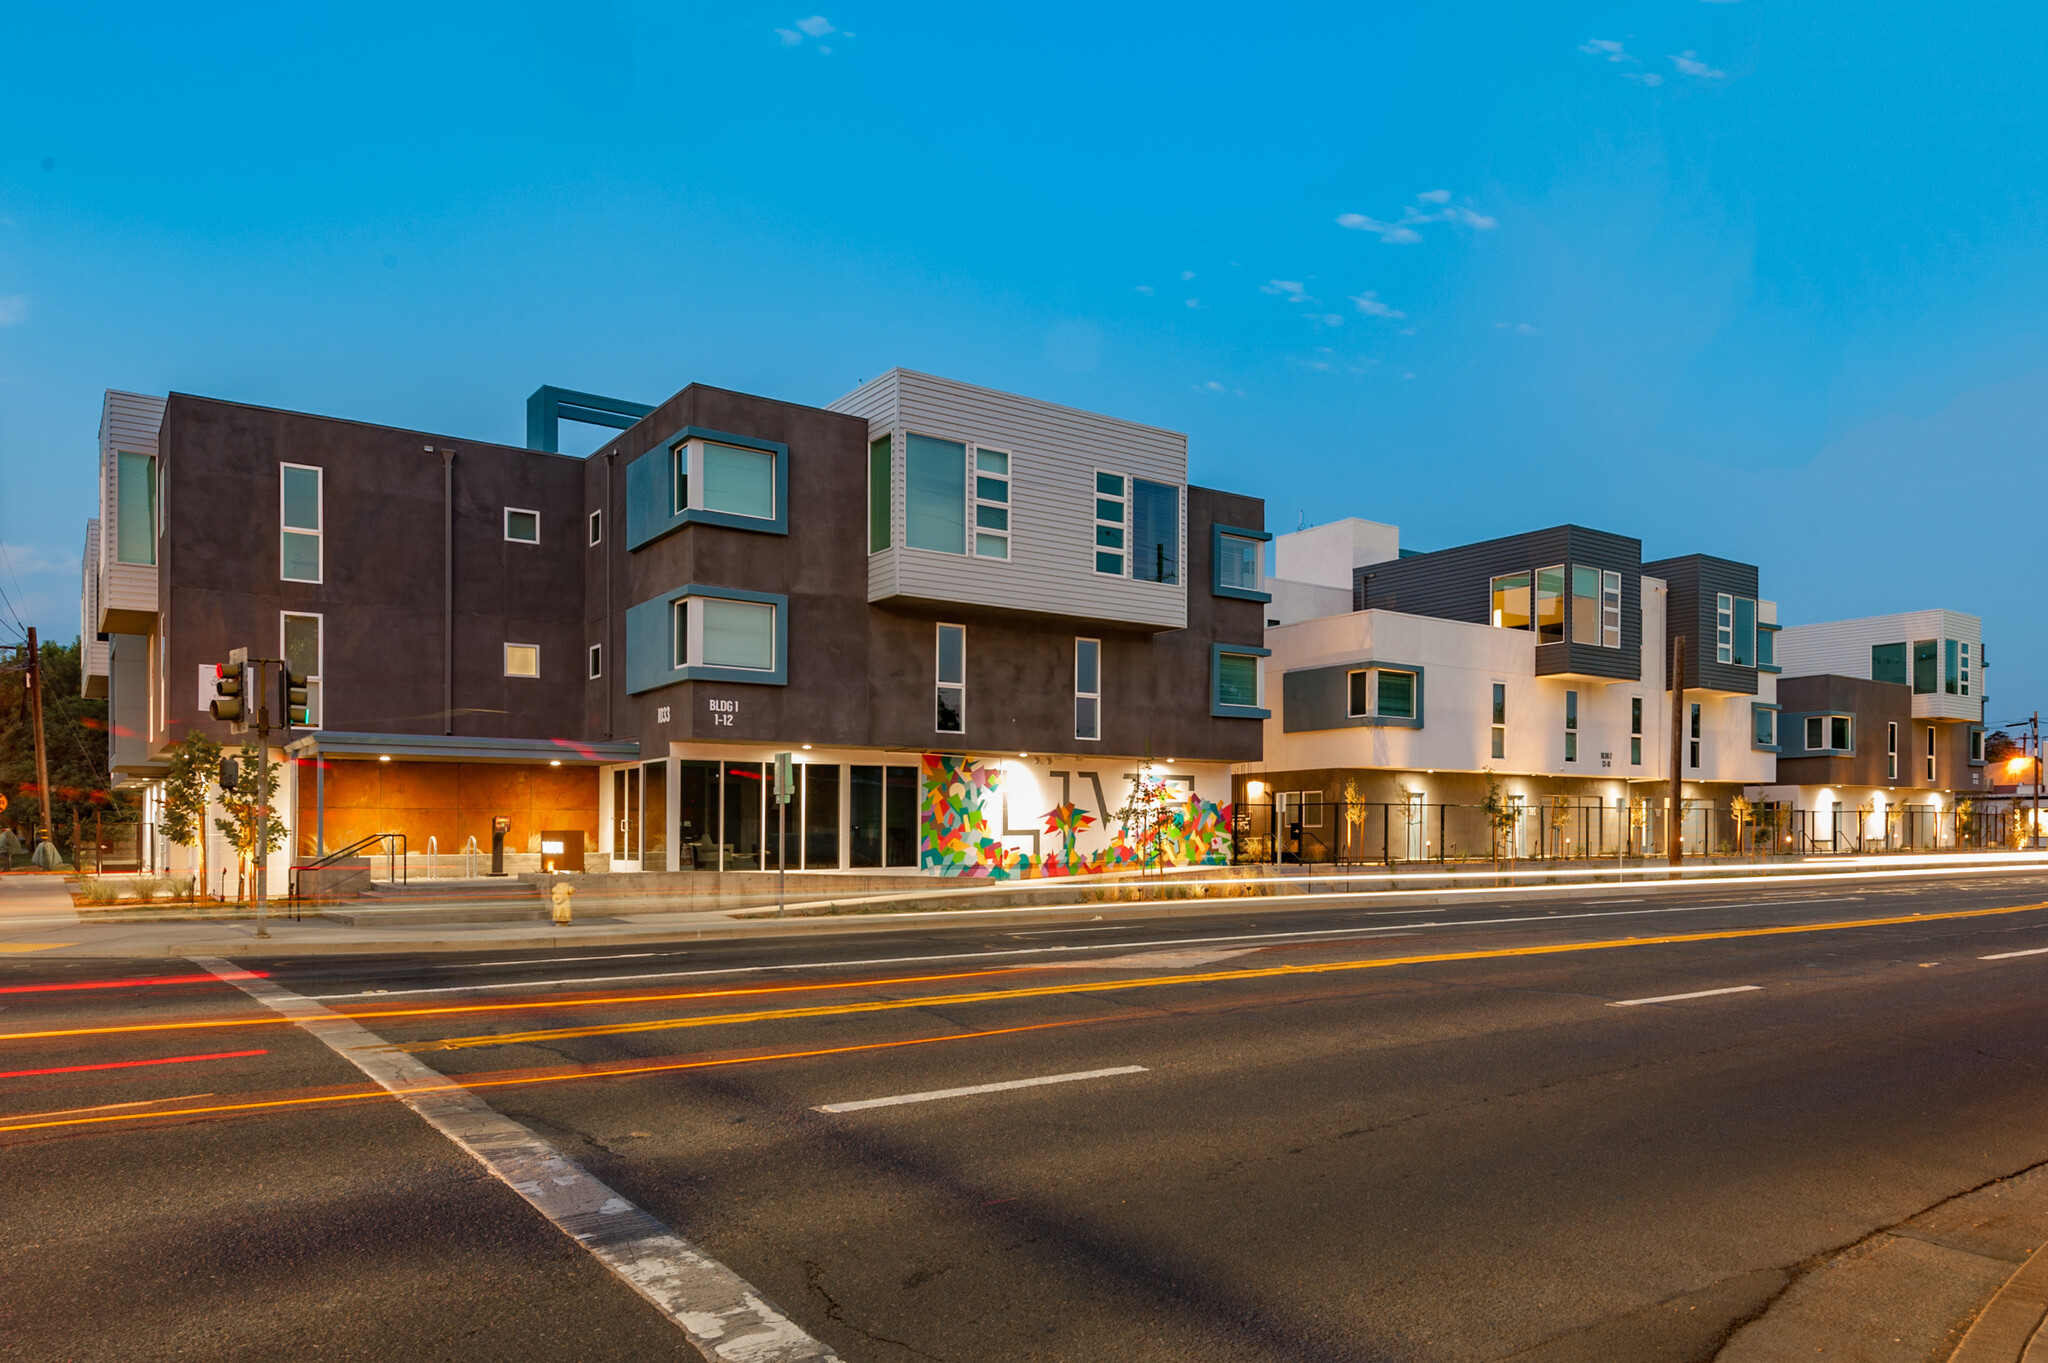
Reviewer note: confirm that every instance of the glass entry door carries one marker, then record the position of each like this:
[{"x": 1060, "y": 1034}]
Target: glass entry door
[
  {"x": 654, "y": 816},
  {"x": 624, "y": 843}
]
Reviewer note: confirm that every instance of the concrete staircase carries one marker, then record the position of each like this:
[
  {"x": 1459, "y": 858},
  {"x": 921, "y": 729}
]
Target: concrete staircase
[{"x": 494, "y": 900}]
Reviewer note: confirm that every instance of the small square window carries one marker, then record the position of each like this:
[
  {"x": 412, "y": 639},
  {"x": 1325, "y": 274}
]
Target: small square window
[
  {"x": 522, "y": 660},
  {"x": 522, "y": 527}
]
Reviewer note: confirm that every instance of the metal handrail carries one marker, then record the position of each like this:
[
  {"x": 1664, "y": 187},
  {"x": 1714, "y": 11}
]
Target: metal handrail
[
  {"x": 469, "y": 856},
  {"x": 433, "y": 857},
  {"x": 394, "y": 848}
]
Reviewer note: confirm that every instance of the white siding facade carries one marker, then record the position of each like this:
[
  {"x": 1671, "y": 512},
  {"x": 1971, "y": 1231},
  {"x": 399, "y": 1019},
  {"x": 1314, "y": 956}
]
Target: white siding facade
[
  {"x": 1055, "y": 453},
  {"x": 1841, "y": 648},
  {"x": 127, "y": 591}
]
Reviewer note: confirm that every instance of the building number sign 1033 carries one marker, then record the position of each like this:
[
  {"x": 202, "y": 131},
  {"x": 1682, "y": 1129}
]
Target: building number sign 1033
[{"x": 723, "y": 712}]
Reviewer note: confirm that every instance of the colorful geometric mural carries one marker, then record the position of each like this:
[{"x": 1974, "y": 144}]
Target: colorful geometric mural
[{"x": 1167, "y": 826}]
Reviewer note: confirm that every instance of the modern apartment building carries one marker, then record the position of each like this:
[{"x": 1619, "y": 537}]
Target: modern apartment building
[
  {"x": 1000, "y": 636},
  {"x": 1883, "y": 729},
  {"x": 1534, "y": 667}
]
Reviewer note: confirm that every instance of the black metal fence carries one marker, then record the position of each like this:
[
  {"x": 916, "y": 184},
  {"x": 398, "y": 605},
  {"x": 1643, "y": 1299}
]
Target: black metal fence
[{"x": 1568, "y": 828}]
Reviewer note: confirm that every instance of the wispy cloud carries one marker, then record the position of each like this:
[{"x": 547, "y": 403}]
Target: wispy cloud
[
  {"x": 13, "y": 309},
  {"x": 1195, "y": 303},
  {"x": 1369, "y": 303},
  {"x": 1521, "y": 328},
  {"x": 1145, "y": 289},
  {"x": 28, "y": 559},
  {"x": 1290, "y": 289},
  {"x": 1688, "y": 62},
  {"x": 1212, "y": 386},
  {"x": 817, "y": 26},
  {"x": 1615, "y": 52},
  {"x": 1187, "y": 275},
  {"x": 1432, "y": 205}
]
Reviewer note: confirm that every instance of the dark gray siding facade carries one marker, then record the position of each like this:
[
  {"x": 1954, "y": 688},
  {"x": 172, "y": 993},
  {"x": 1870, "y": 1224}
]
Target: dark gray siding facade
[
  {"x": 1452, "y": 584},
  {"x": 1694, "y": 581}
]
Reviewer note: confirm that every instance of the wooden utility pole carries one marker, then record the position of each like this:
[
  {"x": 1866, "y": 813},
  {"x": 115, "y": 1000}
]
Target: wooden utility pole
[
  {"x": 1674, "y": 831},
  {"x": 35, "y": 700}
]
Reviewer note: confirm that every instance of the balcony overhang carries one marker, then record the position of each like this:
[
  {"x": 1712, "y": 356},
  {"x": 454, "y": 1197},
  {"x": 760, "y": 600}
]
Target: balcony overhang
[{"x": 569, "y": 752}]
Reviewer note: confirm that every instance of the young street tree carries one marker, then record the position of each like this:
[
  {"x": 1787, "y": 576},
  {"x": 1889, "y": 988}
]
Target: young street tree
[
  {"x": 188, "y": 781},
  {"x": 75, "y": 735},
  {"x": 239, "y": 827}
]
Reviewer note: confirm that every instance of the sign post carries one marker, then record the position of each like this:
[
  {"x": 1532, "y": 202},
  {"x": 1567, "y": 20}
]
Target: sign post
[{"x": 785, "y": 788}]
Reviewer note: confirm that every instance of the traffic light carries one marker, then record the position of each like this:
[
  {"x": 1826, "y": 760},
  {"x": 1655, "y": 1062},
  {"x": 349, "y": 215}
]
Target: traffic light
[
  {"x": 228, "y": 701},
  {"x": 298, "y": 709},
  {"x": 230, "y": 773}
]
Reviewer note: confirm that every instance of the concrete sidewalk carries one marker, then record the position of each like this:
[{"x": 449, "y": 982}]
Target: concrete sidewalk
[{"x": 35, "y": 913}]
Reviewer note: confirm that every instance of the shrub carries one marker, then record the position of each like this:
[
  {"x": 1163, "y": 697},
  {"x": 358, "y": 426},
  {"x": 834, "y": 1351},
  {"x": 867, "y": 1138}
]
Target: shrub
[{"x": 99, "y": 890}]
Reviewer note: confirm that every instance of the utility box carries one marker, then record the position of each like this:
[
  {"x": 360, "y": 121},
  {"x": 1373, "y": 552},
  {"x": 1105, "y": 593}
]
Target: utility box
[{"x": 562, "y": 850}]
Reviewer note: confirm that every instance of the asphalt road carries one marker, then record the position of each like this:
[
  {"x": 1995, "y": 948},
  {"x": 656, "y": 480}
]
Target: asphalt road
[{"x": 1344, "y": 1133}]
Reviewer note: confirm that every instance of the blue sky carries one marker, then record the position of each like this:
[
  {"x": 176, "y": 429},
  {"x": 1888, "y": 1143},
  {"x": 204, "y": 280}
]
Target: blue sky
[{"x": 1755, "y": 279}]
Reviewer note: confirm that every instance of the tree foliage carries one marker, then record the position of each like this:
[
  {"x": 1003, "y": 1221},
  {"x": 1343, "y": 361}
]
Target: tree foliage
[
  {"x": 75, "y": 732},
  {"x": 239, "y": 824}
]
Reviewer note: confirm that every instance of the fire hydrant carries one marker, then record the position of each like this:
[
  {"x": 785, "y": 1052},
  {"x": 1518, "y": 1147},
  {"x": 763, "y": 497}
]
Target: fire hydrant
[{"x": 562, "y": 893}]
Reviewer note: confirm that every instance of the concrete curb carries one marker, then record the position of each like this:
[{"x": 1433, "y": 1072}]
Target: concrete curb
[{"x": 2010, "y": 1321}]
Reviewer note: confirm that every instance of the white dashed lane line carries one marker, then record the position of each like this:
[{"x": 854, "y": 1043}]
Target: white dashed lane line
[
  {"x": 935, "y": 1094},
  {"x": 2008, "y": 955},
  {"x": 1675, "y": 998}
]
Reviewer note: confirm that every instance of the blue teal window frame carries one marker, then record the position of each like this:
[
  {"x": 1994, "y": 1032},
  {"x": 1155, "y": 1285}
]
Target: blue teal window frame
[
  {"x": 1974, "y": 742},
  {"x": 1778, "y": 727},
  {"x": 1772, "y": 648},
  {"x": 1217, "y": 708},
  {"x": 1216, "y": 587},
  {"x": 651, "y": 490},
  {"x": 651, "y": 642},
  {"x": 1799, "y": 718}
]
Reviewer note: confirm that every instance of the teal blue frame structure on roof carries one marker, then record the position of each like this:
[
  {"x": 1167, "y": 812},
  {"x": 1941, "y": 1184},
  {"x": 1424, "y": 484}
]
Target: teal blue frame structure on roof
[{"x": 549, "y": 407}]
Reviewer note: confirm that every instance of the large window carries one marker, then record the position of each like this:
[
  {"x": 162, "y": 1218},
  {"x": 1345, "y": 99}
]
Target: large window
[
  {"x": 302, "y": 520},
  {"x": 1499, "y": 746},
  {"x": 881, "y": 486},
  {"x": 1763, "y": 721},
  {"x": 1926, "y": 661},
  {"x": 1585, "y": 604},
  {"x": 1550, "y": 605},
  {"x": 1237, "y": 562},
  {"x": 135, "y": 507},
  {"x": 1111, "y": 520},
  {"x": 1766, "y": 647},
  {"x": 882, "y": 816},
  {"x": 1088, "y": 688},
  {"x": 1955, "y": 667},
  {"x": 737, "y": 634},
  {"x": 1888, "y": 663},
  {"x": 1745, "y": 632},
  {"x": 1155, "y": 531},
  {"x": 300, "y": 516},
  {"x": 1382, "y": 692},
  {"x": 712, "y": 631},
  {"x": 1237, "y": 680},
  {"x": 739, "y": 482},
  {"x": 1510, "y": 601},
  {"x": 301, "y": 650},
  {"x": 951, "y": 716},
  {"x": 1830, "y": 733},
  {"x": 934, "y": 494},
  {"x": 1571, "y": 726},
  {"x": 991, "y": 504}
]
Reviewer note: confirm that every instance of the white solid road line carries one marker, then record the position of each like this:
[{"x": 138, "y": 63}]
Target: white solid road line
[
  {"x": 1362, "y": 931},
  {"x": 722, "y": 1315},
  {"x": 1674, "y": 998},
  {"x": 2008, "y": 955},
  {"x": 936, "y": 1094}
]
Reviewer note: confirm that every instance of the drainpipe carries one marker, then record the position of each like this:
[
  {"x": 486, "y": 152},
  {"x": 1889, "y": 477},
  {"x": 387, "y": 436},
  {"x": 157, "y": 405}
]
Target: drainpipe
[
  {"x": 447, "y": 591},
  {"x": 612, "y": 662}
]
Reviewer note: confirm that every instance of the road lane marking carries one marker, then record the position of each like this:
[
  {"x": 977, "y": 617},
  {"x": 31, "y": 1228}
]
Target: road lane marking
[
  {"x": 1361, "y": 930},
  {"x": 137, "y": 982},
  {"x": 39, "y": 1121},
  {"x": 720, "y": 1313},
  {"x": 935, "y": 1094},
  {"x": 34, "y": 946},
  {"x": 1207, "y": 977},
  {"x": 1676, "y": 998},
  {"x": 558, "y": 960},
  {"x": 2008, "y": 955}
]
